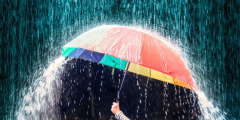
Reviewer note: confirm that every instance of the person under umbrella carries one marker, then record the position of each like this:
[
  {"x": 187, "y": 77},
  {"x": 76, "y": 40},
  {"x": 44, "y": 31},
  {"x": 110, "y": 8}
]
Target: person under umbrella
[{"x": 118, "y": 113}]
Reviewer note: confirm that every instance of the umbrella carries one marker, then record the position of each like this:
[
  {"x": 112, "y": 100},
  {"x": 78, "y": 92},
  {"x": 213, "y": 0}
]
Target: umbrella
[{"x": 132, "y": 50}]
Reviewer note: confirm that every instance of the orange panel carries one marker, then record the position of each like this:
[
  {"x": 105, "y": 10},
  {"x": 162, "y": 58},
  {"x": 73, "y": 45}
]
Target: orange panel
[{"x": 181, "y": 83}]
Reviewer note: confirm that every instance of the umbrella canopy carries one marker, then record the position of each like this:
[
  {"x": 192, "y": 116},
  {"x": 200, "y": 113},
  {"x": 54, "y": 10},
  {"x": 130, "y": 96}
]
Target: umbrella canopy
[{"x": 133, "y": 50}]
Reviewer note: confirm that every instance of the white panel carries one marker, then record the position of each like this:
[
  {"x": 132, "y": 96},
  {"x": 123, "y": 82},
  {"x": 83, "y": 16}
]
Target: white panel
[{"x": 90, "y": 36}]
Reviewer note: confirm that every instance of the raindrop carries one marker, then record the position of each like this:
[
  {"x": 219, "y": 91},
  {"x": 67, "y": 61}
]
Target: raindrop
[{"x": 100, "y": 115}]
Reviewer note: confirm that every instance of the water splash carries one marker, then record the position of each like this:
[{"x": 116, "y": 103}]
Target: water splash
[
  {"x": 41, "y": 98},
  {"x": 209, "y": 108},
  {"x": 209, "y": 111}
]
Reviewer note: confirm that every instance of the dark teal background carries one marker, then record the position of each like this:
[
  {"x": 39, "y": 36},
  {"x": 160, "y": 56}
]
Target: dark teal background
[{"x": 32, "y": 33}]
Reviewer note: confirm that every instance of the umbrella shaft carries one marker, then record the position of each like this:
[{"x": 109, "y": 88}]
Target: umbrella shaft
[
  {"x": 121, "y": 85},
  {"x": 125, "y": 72}
]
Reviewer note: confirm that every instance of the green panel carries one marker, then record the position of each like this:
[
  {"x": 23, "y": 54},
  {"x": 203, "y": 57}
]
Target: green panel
[
  {"x": 111, "y": 61},
  {"x": 66, "y": 51}
]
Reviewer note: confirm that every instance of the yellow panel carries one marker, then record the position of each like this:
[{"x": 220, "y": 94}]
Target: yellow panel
[
  {"x": 160, "y": 76},
  {"x": 135, "y": 68},
  {"x": 181, "y": 83}
]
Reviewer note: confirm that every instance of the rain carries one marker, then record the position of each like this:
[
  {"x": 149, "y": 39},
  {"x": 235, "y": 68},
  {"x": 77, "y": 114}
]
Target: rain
[{"x": 36, "y": 82}]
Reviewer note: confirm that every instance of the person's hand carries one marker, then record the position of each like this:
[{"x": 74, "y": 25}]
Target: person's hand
[{"x": 115, "y": 107}]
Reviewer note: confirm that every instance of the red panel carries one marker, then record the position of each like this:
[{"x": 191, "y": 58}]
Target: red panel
[{"x": 151, "y": 55}]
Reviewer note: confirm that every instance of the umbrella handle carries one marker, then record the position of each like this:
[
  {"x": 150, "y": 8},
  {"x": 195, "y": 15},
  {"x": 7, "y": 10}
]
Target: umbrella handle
[{"x": 112, "y": 117}]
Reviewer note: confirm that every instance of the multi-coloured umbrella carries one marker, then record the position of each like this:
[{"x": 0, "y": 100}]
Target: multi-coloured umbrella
[{"x": 133, "y": 50}]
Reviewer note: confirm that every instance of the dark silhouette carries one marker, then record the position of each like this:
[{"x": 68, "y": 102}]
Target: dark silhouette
[{"x": 88, "y": 90}]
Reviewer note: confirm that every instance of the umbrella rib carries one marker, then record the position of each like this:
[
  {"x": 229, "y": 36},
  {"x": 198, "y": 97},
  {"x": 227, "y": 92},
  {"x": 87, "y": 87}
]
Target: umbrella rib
[
  {"x": 126, "y": 38},
  {"x": 162, "y": 55}
]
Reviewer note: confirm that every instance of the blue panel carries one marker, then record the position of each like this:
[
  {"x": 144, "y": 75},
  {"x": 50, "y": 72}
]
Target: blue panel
[
  {"x": 91, "y": 56},
  {"x": 76, "y": 53}
]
